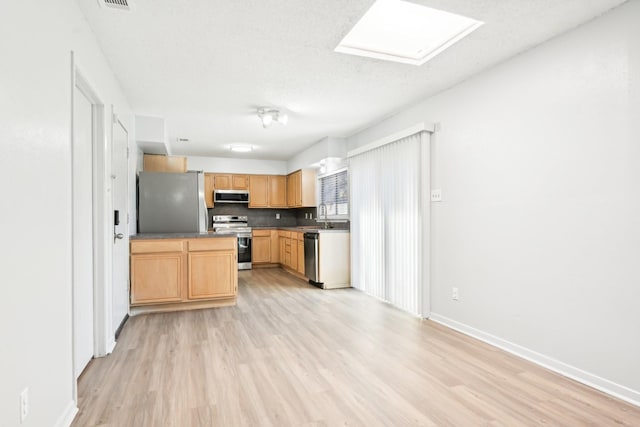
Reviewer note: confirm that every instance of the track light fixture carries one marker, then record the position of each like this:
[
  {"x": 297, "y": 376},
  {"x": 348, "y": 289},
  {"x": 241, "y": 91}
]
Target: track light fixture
[{"x": 268, "y": 115}]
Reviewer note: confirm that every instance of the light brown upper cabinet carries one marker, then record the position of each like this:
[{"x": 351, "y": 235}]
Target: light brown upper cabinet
[
  {"x": 258, "y": 191},
  {"x": 239, "y": 182},
  {"x": 277, "y": 191},
  {"x": 267, "y": 191},
  {"x": 209, "y": 180},
  {"x": 231, "y": 182},
  {"x": 301, "y": 189},
  {"x": 159, "y": 163}
]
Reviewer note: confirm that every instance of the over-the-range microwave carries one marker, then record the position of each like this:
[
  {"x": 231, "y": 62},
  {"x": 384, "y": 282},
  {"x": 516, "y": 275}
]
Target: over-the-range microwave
[{"x": 231, "y": 196}]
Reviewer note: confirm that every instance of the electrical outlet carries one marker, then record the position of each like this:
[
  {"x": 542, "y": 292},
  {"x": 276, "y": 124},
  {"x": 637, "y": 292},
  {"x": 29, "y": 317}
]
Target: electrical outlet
[
  {"x": 454, "y": 294},
  {"x": 24, "y": 404},
  {"x": 277, "y": 216},
  {"x": 436, "y": 195}
]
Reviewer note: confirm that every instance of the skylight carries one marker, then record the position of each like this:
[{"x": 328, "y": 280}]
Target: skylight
[{"x": 401, "y": 31}]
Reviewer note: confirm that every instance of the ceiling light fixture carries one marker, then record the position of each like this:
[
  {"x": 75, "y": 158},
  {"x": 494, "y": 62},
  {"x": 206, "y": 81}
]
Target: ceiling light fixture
[
  {"x": 269, "y": 115},
  {"x": 241, "y": 148},
  {"x": 406, "y": 32}
]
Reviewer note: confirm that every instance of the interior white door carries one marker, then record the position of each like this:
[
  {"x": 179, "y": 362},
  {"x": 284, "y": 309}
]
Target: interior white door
[
  {"x": 119, "y": 185},
  {"x": 82, "y": 170}
]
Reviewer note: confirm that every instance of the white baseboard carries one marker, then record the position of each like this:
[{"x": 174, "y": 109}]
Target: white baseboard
[
  {"x": 110, "y": 347},
  {"x": 602, "y": 384},
  {"x": 67, "y": 416}
]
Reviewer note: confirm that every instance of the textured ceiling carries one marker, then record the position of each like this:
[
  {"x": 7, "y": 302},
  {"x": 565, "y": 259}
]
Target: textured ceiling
[{"x": 206, "y": 65}]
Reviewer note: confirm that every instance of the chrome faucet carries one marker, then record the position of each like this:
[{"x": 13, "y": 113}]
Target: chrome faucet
[{"x": 326, "y": 220}]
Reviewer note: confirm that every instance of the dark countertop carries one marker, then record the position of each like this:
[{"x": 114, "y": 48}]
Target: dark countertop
[
  {"x": 306, "y": 229},
  {"x": 208, "y": 235}
]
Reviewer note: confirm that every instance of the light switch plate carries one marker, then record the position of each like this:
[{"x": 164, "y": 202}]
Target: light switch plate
[{"x": 436, "y": 195}]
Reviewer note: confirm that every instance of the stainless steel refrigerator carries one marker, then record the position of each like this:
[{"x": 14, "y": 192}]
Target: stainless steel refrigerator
[{"x": 171, "y": 203}]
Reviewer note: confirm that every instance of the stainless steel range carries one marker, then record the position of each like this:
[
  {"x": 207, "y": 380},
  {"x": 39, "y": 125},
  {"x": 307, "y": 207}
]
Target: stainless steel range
[{"x": 238, "y": 226}]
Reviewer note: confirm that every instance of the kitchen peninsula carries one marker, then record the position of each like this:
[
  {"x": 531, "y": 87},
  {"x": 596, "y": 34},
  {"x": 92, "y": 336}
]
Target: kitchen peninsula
[{"x": 182, "y": 271}]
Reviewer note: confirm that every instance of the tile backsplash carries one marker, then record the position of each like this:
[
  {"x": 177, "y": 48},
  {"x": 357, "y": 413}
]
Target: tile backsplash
[
  {"x": 267, "y": 217},
  {"x": 263, "y": 217}
]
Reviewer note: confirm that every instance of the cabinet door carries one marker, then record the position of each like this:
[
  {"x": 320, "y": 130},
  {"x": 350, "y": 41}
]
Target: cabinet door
[
  {"x": 277, "y": 191},
  {"x": 258, "y": 191},
  {"x": 156, "y": 278},
  {"x": 212, "y": 274},
  {"x": 239, "y": 182},
  {"x": 285, "y": 256},
  {"x": 159, "y": 163},
  {"x": 291, "y": 191},
  {"x": 307, "y": 195},
  {"x": 294, "y": 254},
  {"x": 261, "y": 249},
  {"x": 275, "y": 247},
  {"x": 209, "y": 185},
  {"x": 301, "y": 256},
  {"x": 222, "y": 182}
]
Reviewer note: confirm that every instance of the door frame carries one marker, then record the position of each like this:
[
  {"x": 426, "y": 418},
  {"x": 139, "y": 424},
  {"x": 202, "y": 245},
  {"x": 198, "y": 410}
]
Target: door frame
[
  {"x": 116, "y": 121},
  {"x": 103, "y": 342}
]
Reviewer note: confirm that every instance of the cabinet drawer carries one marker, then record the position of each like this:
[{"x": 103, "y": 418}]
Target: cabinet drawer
[
  {"x": 156, "y": 246},
  {"x": 261, "y": 233},
  {"x": 214, "y": 244},
  {"x": 286, "y": 234}
]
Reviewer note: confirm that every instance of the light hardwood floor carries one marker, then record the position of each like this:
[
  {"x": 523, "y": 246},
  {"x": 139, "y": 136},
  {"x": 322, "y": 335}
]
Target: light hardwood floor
[{"x": 293, "y": 355}]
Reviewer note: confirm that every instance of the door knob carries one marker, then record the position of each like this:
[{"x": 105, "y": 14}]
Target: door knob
[{"x": 119, "y": 236}]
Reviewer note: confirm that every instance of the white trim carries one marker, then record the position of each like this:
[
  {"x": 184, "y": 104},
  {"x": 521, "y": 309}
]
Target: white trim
[
  {"x": 418, "y": 127},
  {"x": 103, "y": 340},
  {"x": 594, "y": 381},
  {"x": 425, "y": 212},
  {"x": 101, "y": 211},
  {"x": 111, "y": 347},
  {"x": 66, "y": 418}
]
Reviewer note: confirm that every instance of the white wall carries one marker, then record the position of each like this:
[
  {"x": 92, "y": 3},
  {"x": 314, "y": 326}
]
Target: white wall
[
  {"x": 227, "y": 165},
  {"x": 35, "y": 106},
  {"x": 328, "y": 147},
  {"x": 539, "y": 227}
]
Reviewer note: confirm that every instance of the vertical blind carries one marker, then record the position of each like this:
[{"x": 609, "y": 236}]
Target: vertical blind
[
  {"x": 386, "y": 224},
  {"x": 334, "y": 194}
]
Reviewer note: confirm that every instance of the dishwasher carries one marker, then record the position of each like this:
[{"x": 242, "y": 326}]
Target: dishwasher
[{"x": 311, "y": 266}]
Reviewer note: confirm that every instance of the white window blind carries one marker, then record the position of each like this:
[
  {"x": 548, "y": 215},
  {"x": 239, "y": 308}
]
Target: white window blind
[
  {"x": 334, "y": 195},
  {"x": 386, "y": 223}
]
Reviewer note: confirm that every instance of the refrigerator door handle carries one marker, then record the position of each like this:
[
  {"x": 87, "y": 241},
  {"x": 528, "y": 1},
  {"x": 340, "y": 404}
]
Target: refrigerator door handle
[{"x": 205, "y": 217}]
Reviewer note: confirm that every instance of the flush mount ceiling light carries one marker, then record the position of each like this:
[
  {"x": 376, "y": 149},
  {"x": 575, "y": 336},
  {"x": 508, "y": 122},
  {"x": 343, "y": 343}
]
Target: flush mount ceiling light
[
  {"x": 396, "y": 30},
  {"x": 241, "y": 148},
  {"x": 269, "y": 115}
]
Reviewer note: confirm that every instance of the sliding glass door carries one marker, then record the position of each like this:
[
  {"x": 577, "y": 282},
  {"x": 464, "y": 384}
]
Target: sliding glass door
[{"x": 386, "y": 222}]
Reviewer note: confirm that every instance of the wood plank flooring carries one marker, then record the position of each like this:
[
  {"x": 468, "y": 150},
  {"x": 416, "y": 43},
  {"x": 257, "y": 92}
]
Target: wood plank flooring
[{"x": 293, "y": 355}]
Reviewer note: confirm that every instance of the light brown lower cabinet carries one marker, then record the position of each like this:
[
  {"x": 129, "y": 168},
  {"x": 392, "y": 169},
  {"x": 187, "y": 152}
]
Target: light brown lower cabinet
[
  {"x": 211, "y": 275},
  {"x": 282, "y": 246},
  {"x": 293, "y": 261},
  {"x": 261, "y": 247},
  {"x": 169, "y": 271},
  {"x": 273, "y": 246},
  {"x": 156, "y": 278},
  {"x": 301, "y": 255}
]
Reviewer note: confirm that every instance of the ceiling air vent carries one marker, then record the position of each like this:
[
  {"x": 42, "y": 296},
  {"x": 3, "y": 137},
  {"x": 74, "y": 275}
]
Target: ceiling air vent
[{"x": 116, "y": 4}]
